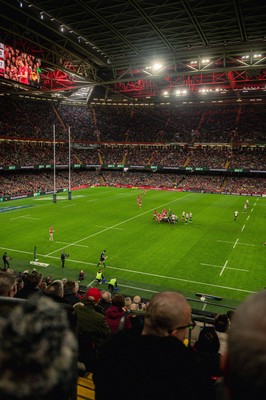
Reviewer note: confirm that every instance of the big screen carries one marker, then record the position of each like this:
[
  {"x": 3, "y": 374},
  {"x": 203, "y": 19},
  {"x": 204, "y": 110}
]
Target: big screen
[{"x": 18, "y": 66}]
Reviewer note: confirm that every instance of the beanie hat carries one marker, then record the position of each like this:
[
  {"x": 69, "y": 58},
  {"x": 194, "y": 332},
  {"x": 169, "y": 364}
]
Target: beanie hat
[
  {"x": 95, "y": 293},
  {"x": 38, "y": 352}
]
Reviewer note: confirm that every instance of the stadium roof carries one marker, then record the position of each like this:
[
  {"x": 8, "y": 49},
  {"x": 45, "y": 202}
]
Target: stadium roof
[{"x": 135, "y": 50}]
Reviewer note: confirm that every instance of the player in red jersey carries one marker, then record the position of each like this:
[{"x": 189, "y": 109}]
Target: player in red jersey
[{"x": 51, "y": 234}]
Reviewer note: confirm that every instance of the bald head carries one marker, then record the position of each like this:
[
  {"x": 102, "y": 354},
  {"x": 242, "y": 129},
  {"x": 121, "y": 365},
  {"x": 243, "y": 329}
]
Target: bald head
[{"x": 165, "y": 312}]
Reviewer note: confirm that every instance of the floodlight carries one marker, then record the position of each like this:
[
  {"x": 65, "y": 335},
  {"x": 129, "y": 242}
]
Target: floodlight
[{"x": 156, "y": 66}]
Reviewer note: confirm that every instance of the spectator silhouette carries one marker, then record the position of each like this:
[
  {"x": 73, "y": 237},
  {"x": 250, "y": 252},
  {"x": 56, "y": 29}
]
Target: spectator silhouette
[
  {"x": 93, "y": 329},
  {"x": 161, "y": 366},
  {"x": 245, "y": 360},
  {"x": 115, "y": 312},
  {"x": 207, "y": 348}
]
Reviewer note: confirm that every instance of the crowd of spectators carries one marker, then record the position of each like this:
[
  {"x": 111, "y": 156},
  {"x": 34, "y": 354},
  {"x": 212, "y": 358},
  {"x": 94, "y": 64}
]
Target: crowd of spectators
[
  {"x": 21, "y": 67},
  {"x": 163, "y": 136},
  {"x": 56, "y": 331},
  {"x": 27, "y": 119},
  {"x": 26, "y": 183},
  {"x": 202, "y": 183},
  {"x": 208, "y": 158},
  {"x": 244, "y": 185},
  {"x": 35, "y": 153},
  {"x": 33, "y": 182}
]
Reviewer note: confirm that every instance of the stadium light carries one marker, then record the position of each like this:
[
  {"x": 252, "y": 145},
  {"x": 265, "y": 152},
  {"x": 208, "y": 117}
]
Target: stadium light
[{"x": 156, "y": 67}]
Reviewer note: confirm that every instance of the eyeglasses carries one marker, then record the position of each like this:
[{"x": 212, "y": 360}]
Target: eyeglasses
[{"x": 189, "y": 326}]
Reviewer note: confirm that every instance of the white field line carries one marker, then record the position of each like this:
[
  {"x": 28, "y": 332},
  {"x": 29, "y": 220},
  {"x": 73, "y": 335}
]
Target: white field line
[
  {"x": 243, "y": 227},
  {"x": 89, "y": 284},
  {"x": 248, "y": 217},
  {"x": 238, "y": 269},
  {"x": 225, "y": 264},
  {"x": 70, "y": 205},
  {"x": 212, "y": 265},
  {"x": 136, "y": 272},
  {"x": 235, "y": 243},
  {"x": 79, "y": 245},
  {"x": 221, "y": 266},
  {"x": 22, "y": 216},
  {"x": 247, "y": 244},
  {"x": 26, "y": 217},
  {"x": 118, "y": 224},
  {"x": 118, "y": 229},
  {"x": 239, "y": 243}
]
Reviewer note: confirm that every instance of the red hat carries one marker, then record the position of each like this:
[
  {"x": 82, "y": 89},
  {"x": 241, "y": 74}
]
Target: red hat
[{"x": 95, "y": 293}]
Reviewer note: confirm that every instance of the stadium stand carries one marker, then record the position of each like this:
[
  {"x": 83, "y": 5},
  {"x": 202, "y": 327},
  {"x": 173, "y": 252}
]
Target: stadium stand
[
  {"x": 214, "y": 149},
  {"x": 177, "y": 145},
  {"x": 85, "y": 388}
]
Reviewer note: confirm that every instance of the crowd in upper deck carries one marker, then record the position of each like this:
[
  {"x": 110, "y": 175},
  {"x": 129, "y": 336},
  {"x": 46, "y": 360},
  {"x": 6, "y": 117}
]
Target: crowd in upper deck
[
  {"x": 220, "y": 137},
  {"x": 151, "y": 124}
]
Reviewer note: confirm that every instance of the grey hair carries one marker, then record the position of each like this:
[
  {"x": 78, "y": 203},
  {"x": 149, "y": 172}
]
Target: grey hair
[
  {"x": 56, "y": 287},
  {"x": 38, "y": 351},
  {"x": 245, "y": 372}
]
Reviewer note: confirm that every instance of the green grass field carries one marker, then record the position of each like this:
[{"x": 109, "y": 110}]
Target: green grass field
[{"x": 212, "y": 255}]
